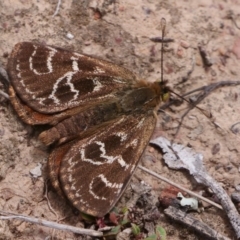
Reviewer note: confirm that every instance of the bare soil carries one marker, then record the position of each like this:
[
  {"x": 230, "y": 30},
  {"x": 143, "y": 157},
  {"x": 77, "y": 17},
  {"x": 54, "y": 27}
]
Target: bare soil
[{"x": 121, "y": 34}]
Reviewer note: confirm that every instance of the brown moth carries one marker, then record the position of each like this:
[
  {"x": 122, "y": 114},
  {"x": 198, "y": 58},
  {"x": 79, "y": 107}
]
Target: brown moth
[{"x": 101, "y": 119}]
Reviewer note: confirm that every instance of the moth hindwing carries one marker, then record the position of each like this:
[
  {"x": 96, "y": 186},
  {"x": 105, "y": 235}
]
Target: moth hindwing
[{"x": 101, "y": 119}]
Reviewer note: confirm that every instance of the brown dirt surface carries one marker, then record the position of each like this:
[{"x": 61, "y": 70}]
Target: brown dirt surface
[{"x": 120, "y": 33}]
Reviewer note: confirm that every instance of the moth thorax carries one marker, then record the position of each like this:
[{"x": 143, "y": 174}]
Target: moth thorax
[{"x": 138, "y": 98}]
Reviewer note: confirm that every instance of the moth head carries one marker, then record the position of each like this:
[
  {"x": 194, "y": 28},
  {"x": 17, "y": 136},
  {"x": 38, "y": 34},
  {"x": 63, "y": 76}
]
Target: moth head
[{"x": 165, "y": 91}]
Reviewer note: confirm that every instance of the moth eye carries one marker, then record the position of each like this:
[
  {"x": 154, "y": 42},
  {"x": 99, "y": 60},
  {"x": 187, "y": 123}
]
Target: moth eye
[{"x": 165, "y": 96}]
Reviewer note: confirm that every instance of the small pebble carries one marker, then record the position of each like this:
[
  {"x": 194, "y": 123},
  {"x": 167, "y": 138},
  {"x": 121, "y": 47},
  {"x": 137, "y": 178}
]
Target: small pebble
[
  {"x": 184, "y": 44},
  {"x": 69, "y": 36},
  {"x": 237, "y": 188},
  {"x": 37, "y": 171}
]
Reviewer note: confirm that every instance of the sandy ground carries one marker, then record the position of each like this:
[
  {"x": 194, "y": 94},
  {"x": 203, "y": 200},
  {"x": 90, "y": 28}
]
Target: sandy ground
[{"x": 122, "y": 35}]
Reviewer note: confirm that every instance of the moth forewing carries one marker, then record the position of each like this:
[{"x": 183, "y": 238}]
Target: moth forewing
[{"x": 51, "y": 80}]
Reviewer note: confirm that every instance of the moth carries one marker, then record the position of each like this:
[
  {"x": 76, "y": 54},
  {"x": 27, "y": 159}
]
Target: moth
[{"x": 101, "y": 117}]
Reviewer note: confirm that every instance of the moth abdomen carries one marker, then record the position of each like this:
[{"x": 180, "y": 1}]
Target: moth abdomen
[{"x": 74, "y": 126}]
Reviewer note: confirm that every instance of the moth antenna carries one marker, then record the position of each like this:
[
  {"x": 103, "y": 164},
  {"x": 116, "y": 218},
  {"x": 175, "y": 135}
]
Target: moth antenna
[{"x": 163, "y": 24}]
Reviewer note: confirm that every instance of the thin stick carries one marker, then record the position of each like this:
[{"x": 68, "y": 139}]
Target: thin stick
[
  {"x": 50, "y": 224},
  {"x": 180, "y": 187},
  {"x": 57, "y": 9},
  {"x": 204, "y": 92},
  {"x": 163, "y": 23},
  {"x": 5, "y": 95}
]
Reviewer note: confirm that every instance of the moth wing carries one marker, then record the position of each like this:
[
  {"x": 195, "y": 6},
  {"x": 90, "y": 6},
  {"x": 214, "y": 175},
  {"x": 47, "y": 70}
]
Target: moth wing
[
  {"x": 51, "y": 80},
  {"x": 95, "y": 171}
]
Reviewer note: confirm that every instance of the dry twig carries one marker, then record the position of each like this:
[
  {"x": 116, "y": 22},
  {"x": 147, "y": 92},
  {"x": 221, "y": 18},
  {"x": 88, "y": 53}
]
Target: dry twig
[
  {"x": 63, "y": 227},
  {"x": 193, "y": 223},
  {"x": 178, "y": 157}
]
